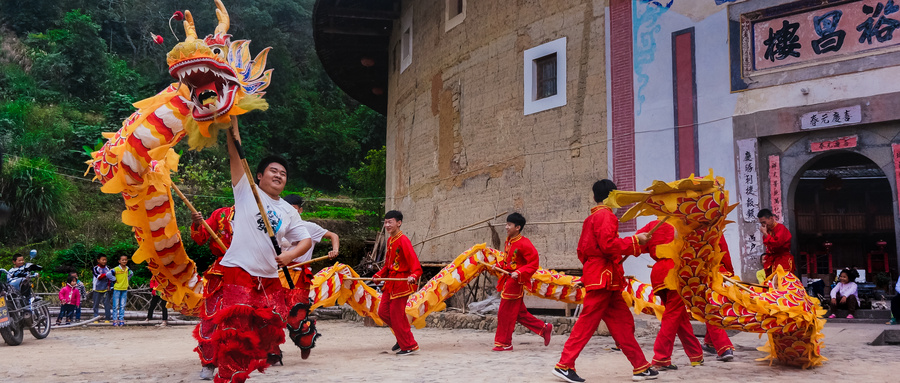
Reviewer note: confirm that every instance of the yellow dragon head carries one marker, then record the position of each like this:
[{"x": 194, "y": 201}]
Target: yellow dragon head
[{"x": 220, "y": 76}]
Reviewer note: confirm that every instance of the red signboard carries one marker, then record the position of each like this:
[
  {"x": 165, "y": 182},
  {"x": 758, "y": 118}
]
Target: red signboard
[
  {"x": 837, "y": 143},
  {"x": 775, "y": 186},
  {"x": 825, "y": 33}
]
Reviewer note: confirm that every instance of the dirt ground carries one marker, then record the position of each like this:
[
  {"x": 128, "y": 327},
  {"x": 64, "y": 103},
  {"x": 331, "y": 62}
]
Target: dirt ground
[{"x": 350, "y": 352}]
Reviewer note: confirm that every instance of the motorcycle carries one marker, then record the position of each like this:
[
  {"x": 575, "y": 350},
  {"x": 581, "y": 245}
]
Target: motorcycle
[{"x": 18, "y": 313}]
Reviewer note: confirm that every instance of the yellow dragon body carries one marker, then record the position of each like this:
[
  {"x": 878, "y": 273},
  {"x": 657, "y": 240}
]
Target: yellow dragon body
[
  {"x": 216, "y": 80},
  {"x": 697, "y": 208}
]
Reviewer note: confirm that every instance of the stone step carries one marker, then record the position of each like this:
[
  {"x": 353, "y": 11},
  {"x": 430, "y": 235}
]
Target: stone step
[
  {"x": 883, "y": 315},
  {"x": 888, "y": 337}
]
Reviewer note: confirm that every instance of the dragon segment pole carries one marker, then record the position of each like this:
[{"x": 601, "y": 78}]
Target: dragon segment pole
[
  {"x": 262, "y": 211},
  {"x": 304, "y": 263},
  {"x": 490, "y": 266},
  {"x": 205, "y": 225}
]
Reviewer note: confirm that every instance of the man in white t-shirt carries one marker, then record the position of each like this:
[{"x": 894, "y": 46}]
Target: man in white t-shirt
[
  {"x": 303, "y": 275},
  {"x": 246, "y": 306}
]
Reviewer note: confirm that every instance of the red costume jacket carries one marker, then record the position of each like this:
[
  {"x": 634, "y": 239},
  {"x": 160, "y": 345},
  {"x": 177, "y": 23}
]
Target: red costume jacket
[
  {"x": 778, "y": 248},
  {"x": 602, "y": 251},
  {"x": 521, "y": 256},
  {"x": 400, "y": 261},
  {"x": 220, "y": 222},
  {"x": 663, "y": 235}
]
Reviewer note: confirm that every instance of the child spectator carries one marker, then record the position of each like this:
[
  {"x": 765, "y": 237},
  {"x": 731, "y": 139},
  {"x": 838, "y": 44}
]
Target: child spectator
[
  {"x": 843, "y": 295},
  {"x": 156, "y": 299},
  {"x": 121, "y": 278},
  {"x": 81, "y": 290},
  {"x": 102, "y": 286},
  {"x": 70, "y": 298}
]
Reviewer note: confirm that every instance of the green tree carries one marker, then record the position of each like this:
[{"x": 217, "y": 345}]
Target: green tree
[
  {"x": 39, "y": 197},
  {"x": 73, "y": 59},
  {"x": 368, "y": 180}
]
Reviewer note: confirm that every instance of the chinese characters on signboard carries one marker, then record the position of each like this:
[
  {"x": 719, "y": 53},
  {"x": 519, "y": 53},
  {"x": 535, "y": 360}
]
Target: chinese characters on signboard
[
  {"x": 896, "y": 154},
  {"x": 836, "y": 143},
  {"x": 753, "y": 243},
  {"x": 829, "y": 118},
  {"x": 775, "y": 186},
  {"x": 847, "y": 28},
  {"x": 748, "y": 180}
]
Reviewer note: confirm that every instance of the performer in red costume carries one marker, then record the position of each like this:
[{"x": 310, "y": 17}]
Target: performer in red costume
[
  {"x": 303, "y": 275},
  {"x": 602, "y": 252},
  {"x": 400, "y": 261},
  {"x": 716, "y": 340},
  {"x": 220, "y": 222},
  {"x": 675, "y": 320},
  {"x": 777, "y": 239},
  {"x": 246, "y": 302},
  {"x": 521, "y": 262}
]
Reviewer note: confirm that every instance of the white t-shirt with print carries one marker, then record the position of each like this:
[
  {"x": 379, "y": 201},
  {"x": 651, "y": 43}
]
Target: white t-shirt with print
[
  {"x": 251, "y": 249},
  {"x": 316, "y": 232}
]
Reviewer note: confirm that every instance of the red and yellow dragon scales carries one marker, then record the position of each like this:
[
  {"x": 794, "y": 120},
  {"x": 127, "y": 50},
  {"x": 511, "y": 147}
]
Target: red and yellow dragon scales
[
  {"x": 697, "y": 208},
  {"x": 216, "y": 80}
]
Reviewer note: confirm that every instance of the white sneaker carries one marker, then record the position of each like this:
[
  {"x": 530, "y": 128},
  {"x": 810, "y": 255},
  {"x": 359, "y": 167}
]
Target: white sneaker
[{"x": 207, "y": 372}]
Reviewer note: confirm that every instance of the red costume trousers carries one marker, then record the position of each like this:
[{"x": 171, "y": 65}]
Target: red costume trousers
[
  {"x": 510, "y": 312},
  {"x": 393, "y": 313},
  {"x": 718, "y": 338},
  {"x": 675, "y": 321},
  {"x": 242, "y": 321},
  {"x": 609, "y": 306}
]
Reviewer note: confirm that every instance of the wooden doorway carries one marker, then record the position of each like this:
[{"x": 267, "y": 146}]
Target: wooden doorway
[{"x": 843, "y": 209}]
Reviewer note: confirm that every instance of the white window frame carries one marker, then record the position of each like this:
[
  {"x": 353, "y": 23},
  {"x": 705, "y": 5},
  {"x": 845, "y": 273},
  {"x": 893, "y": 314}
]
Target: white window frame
[
  {"x": 406, "y": 47},
  {"x": 532, "y": 103},
  {"x": 452, "y": 21}
]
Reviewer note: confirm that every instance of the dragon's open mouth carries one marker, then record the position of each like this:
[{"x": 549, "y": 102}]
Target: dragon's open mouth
[{"x": 213, "y": 85}]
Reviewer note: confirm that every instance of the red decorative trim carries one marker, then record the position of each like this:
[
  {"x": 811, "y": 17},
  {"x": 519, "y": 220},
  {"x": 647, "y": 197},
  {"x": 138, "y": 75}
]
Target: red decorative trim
[
  {"x": 685, "y": 100},
  {"x": 622, "y": 98}
]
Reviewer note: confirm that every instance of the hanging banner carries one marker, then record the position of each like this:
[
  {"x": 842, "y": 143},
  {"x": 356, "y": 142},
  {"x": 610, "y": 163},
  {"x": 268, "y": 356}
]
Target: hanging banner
[
  {"x": 832, "y": 144},
  {"x": 896, "y": 149},
  {"x": 748, "y": 179},
  {"x": 775, "y": 187}
]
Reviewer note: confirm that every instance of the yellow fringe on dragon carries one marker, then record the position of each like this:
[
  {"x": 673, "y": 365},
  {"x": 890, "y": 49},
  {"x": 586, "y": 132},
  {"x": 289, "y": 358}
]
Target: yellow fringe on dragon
[
  {"x": 697, "y": 208},
  {"x": 217, "y": 80}
]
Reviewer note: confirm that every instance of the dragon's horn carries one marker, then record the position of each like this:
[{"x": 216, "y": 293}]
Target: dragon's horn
[
  {"x": 189, "y": 31},
  {"x": 222, "y": 15}
]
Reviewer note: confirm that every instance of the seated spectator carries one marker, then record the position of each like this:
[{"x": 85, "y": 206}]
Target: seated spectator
[{"x": 843, "y": 295}]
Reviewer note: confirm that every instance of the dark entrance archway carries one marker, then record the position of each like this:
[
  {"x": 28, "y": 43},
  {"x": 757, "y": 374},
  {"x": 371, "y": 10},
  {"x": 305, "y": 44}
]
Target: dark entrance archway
[{"x": 843, "y": 211}]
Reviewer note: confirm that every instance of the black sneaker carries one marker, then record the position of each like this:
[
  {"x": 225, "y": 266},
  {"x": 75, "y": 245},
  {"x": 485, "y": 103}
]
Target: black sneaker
[
  {"x": 726, "y": 356},
  {"x": 406, "y": 352},
  {"x": 709, "y": 349},
  {"x": 272, "y": 359},
  {"x": 568, "y": 375},
  {"x": 396, "y": 347},
  {"x": 648, "y": 374},
  {"x": 670, "y": 367}
]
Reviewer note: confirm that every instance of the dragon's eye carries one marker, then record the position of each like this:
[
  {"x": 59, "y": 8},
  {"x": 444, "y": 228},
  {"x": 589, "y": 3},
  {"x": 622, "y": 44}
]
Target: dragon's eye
[{"x": 217, "y": 51}]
